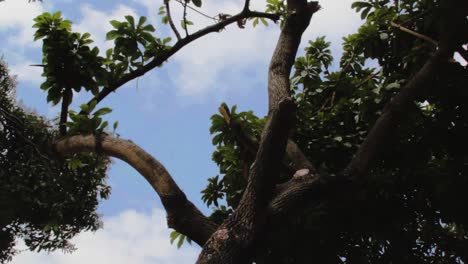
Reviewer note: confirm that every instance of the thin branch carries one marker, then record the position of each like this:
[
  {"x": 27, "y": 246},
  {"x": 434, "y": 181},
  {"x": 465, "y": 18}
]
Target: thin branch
[
  {"x": 293, "y": 152},
  {"x": 246, "y": 5},
  {"x": 171, "y": 22},
  {"x": 182, "y": 215},
  {"x": 156, "y": 62},
  {"x": 198, "y": 11},
  {"x": 414, "y": 33},
  {"x": 67, "y": 98},
  {"x": 185, "y": 18}
]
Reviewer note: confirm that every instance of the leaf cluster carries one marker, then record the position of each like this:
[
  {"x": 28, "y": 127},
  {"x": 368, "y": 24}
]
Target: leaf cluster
[
  {"x": 411, "y": 209},
  {"x": 45, "y": 200}
]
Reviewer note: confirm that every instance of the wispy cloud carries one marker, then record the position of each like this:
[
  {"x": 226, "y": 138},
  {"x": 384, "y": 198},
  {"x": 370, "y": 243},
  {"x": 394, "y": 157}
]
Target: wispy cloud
[
  {"x": 130, "y": 237},
  {"x": 18, "y": 16},
  {"x": 27, "y": 73},
  {"x": 216, "y": 63}
]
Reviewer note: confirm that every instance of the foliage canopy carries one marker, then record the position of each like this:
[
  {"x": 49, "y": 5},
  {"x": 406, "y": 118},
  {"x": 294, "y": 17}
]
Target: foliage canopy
[{"x": 410, "y": 207}]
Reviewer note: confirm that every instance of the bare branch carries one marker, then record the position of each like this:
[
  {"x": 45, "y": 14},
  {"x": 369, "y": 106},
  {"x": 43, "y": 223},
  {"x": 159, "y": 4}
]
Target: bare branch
[
  {"x": 182, "y": 215},
  {"x": 286, "y": 49},
  {"x": 414, "y": 33},
  {"x": 198, "y": 11},
  {"x": 185, "y": 18},
  {"x": 171, "y": 22}
]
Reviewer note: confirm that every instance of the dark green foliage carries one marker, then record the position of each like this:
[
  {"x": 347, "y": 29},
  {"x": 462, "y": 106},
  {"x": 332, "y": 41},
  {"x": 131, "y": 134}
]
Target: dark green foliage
[
  {"x": 233, "y": 159},
  {"x": 411, "y": 209},
  {"x": 44, "y": 199},
  {"x": 68, "y": 61}
]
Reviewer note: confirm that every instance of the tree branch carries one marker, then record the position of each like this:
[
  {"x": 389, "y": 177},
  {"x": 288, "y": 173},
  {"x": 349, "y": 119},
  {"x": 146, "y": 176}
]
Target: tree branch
[
  {"x": 293, "y": 152},
  {"x": 414, "y": 33},
  {"x": 182, "y": 215},
  {"x": 392, "y": 115},
  {"x": 158, "y": 61},
  {"x": 185, "y": 18},
  {"x": 171, "y": 22},
  {"x": 234, "y": 240}
]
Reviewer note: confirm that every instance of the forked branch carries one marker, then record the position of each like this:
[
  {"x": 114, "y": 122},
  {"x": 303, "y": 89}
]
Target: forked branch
[
  {"x": 182, "y": 215},
  {"x": 235, "y": 239}
]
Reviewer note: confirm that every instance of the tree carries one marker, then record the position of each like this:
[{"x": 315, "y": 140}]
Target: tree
[{"x": 361, "y": 165}]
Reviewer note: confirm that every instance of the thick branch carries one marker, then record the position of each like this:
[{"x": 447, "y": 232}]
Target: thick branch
[
  {"x": 393, "y": 114},
  {"x": 284, "y": 55},
  {"x": 182, "y": 215},
  {"x": 234, "y": 240}
]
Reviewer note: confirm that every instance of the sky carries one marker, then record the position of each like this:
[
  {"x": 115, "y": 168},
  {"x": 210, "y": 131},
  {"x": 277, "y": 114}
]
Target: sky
[{"x": 166, "y": 111}]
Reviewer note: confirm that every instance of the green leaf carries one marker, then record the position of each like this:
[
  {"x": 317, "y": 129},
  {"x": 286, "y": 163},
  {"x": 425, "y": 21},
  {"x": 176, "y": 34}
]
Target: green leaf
[
  {"x": 181, "y": 241},
  {"x": 102, "y": 111},
  {"x": 104, "y": 125},
  {"x": 141, "y": 21},
  {"x": 116, "y": 124},
  {"x": 174, "y": 234},
  {"x": 255, "y": 22},
  {"x": 115, "y": 23},
  {"x": 197, "y": 3},
  {"x": 92, "y": 105},
  {"x": 113, "y": 34},
  {"x": 130, "y": 20}
]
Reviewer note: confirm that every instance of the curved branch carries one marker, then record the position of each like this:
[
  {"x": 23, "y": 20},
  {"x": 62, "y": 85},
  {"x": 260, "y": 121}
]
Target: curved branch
[
  {"x": 182, "y": 215},
  {"x": 171, "y": 22}
]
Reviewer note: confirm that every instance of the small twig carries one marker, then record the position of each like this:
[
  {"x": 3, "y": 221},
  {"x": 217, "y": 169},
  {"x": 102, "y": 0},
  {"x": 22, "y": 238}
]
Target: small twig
[
  {"x": 246, "y": 5},
  {"x": 367, "y": 79},
  {"x": 171, "y": 22},
  {"x": 185, "y": 19},
  {"x": 463, "y": 53},
  {"x": 197, "y": 11},
  {"x": 414, "y": 33}
]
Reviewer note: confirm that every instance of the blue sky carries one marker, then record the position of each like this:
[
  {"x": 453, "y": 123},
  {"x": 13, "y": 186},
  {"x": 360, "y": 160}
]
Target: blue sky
[{"x": 166, "y": 111}]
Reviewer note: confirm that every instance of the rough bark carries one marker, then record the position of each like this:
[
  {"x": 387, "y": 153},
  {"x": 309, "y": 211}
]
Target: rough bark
[
  {"x": 235, "y": 239},
  {"x": 182, "y": 215}
]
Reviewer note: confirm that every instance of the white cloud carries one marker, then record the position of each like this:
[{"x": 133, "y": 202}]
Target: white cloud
[
  {"x": 96, "y": 22},
  {"x": 130, "y": 237},
  {"x": 336, "y": 19},
  {"x": 214, "y": 63},
  {"x": 18, "y": 16}
]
